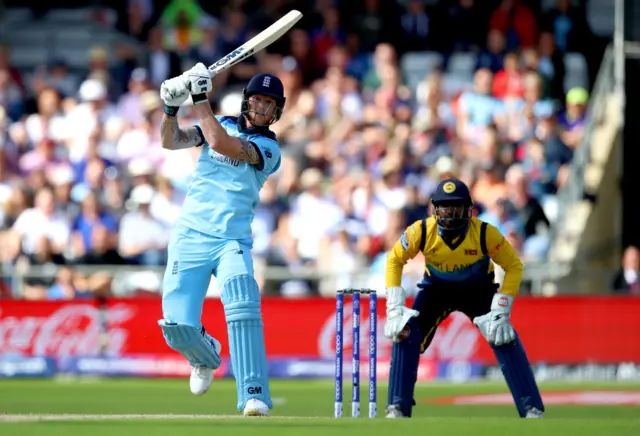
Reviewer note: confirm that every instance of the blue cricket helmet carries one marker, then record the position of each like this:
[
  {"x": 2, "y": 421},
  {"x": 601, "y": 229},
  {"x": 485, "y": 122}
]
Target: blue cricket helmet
[
  {"x": 268, "y": 85},
  {"x": 452, "y": 206},
  {"x": 452, "y": 190}
]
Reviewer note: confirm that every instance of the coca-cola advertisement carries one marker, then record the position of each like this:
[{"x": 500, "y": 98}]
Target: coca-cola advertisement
[{"x": 562, "y": 330}]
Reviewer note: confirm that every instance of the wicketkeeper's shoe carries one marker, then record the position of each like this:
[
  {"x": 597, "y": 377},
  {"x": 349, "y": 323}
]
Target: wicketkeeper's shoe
[
  {"x": 534, "y": 413},
  {"x": 394, "y": 411},
  {"x": 201, "y": 376},
  {"x": 255, "y": 408}
]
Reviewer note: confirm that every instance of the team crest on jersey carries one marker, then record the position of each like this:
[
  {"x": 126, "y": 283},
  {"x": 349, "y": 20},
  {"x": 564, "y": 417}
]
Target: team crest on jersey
[
  {"x": 403, "y": 241},
  {"x": 223, "y": 159},
  {"x": 449, "y": 187},
  {"x": 267, "y": 152}
]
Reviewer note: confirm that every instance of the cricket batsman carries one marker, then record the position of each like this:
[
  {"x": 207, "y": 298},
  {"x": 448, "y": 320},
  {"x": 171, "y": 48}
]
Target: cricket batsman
[
  {"x": 458, "y": 250},
  {"x": 213, "y": 234}
]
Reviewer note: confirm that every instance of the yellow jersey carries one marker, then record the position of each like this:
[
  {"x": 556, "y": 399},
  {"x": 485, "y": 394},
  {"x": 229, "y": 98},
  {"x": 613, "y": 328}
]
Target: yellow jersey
[{"x": 466, "y": 261}]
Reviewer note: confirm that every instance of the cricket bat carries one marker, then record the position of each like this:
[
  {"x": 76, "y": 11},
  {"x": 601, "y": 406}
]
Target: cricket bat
[{"x": 259, "y": 42}]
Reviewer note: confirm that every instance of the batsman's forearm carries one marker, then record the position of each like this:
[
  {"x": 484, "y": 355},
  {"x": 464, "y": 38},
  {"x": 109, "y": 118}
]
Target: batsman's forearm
[
  {"x": 213, "y": 132},
  {"x": 173, "y": 137}
]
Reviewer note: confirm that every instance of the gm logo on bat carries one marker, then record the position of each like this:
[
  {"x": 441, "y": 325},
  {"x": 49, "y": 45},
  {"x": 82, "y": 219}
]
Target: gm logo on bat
[{"x": 233, "y": 55}]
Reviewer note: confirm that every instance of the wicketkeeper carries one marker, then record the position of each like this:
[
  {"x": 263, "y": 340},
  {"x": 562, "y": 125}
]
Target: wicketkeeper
[{"x": 459, "y": 276}]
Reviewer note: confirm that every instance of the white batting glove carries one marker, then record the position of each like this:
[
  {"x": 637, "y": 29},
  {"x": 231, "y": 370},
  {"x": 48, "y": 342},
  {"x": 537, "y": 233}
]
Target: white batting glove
[
  {"x": 495, "y": 325},
  {"x": 174, "y": 92},
  {"x": 397, "y": 313},
  {"x": 199, "y": 82}
]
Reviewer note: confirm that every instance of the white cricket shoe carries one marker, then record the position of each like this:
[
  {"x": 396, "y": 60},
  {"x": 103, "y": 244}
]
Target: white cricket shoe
[
  {"x": 201, "y": 376},
  {"x": 255, "y": 408},
  {"x": 394, "y": 412},
  {"x": 534, "y": 413}
]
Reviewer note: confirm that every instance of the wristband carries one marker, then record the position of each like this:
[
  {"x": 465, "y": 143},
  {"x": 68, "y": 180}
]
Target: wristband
[
  {"x": 199, "y": 98},
  {"x": 171, "y": 110}
]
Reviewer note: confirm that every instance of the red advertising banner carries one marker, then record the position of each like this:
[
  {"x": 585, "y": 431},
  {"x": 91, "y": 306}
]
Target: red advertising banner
[{"x": 554, "y": 330}]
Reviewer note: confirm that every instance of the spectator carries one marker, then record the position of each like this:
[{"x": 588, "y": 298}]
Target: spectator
[
  {"x": 508, "y": 81},
  {"x": 64, "y": 287},
  {"x": 516, "y": 23},
  {"x": 478, "y": 108},
  {"x": 551, "y": 67},
  {"x": 329, "y": 34},
  {"x": 180, "y": 19},
  {"x": 129, "y": 104},
  {"x": 137, "y": 19},
  {"x": 492, "y": 57},
  {"x": 531, "y": 219},
  {"x": 568, "y": 25},
  {"x": 159, "y": 62},
  {"x": 142, "y": 239},
  {"x": 88, "y": 118},
  {"x": 416, "y": 26},
  {"x": 58, "y": 76},
  {"x": 11, "y": 98},
  {"x": 573, "y": 119},
  {"x": 62, "y": 182},
  {"x": 5, "y": 65},
  {"x": 370, "y": 24},
  {"x": 166, "y": 203},
  {"x": 41, "y": 233},
  {"x": 312, "y": 210},
  {"x": 88, "y": 220},
  {"x": 541, "y": 174},
  {"x": 207, "y": 50},
  {"x": 49, "y": 121},
  {"x": 627, "y": 280},
  {"x": 42, "y": 158}
]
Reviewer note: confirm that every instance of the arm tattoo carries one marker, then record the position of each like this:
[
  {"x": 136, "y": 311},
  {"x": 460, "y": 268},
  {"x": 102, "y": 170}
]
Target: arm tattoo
[
  {"x": 248, "y": 152},
  {"x": 173, "y": 137}
]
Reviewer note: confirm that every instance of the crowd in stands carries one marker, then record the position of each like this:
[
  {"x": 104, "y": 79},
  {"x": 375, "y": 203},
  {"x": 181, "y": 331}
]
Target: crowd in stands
[{"x": 84, "y": 180}]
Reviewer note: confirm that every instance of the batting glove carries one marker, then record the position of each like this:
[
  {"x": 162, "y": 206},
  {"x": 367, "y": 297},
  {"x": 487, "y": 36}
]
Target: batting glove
[
  {"x": 199, "y": 82},
  {"x": 495, "y": 325},
  {"x": 173, "y": 93},
  {"x": 397, "y": 313}
]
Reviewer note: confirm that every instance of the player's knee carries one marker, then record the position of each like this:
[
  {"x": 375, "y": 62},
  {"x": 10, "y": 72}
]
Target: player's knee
[{"x": 241, "y": 298}]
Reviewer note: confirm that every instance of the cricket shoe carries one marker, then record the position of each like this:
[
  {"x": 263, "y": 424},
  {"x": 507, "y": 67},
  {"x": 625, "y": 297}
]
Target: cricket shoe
[
  {"x": 394, "y": 411},
  {"x": 201, "y": 376},
  {"x": 534, "y": 413},
  {"x": 255, "y": 408}
]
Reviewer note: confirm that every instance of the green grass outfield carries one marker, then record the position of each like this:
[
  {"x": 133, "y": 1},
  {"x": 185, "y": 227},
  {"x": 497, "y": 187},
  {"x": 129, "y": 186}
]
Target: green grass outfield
[{"x": 96, "y": 407}]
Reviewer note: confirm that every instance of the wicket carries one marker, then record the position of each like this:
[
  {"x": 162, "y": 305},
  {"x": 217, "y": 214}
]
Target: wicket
[{"x": 355, "y": 353}]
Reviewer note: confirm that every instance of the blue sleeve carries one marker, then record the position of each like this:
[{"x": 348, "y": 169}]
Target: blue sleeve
[{"x": 269, "y": 154}]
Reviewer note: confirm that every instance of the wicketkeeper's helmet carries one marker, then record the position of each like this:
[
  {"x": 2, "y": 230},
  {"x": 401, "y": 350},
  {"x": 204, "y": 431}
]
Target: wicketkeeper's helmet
[
  {"x": 452, "y": 204},
  {"x": 264, "y": 84}
]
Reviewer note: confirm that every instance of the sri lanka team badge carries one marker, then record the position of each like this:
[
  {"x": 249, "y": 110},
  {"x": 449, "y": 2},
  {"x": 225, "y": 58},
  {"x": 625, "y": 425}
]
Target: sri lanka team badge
[{"x": 449, "y": 187}]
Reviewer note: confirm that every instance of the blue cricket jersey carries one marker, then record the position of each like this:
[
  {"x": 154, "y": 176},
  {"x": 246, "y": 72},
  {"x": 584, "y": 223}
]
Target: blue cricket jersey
[{"x": 224, "y": 191}]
